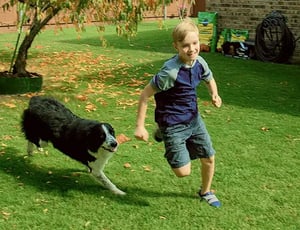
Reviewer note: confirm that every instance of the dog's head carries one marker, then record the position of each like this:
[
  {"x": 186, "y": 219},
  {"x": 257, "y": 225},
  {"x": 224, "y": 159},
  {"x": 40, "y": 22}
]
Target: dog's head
[{"x": 102, "y": 135}]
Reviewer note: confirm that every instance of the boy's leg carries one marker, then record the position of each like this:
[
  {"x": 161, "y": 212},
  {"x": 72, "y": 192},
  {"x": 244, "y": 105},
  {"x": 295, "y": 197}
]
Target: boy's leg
[
  {"x": 207, "y": 173},
  {"x": 176, "y": 151},
  {"x": 183, "y": 171}
]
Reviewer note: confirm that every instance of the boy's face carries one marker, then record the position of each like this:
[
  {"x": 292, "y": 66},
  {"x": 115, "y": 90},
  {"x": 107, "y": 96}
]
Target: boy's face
[{"x": 189, "y": 48}]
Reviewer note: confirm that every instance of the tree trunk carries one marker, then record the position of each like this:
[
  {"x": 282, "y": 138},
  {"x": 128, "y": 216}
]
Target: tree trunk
[{"x": 19, "y": 67}]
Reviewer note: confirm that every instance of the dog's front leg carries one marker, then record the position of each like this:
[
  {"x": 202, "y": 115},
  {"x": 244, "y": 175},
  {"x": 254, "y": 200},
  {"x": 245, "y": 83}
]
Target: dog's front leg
[
  {"x": 30, "y": 147},
  {"x": 97, "y": 171},
  {"x": 108, "y": 184}
]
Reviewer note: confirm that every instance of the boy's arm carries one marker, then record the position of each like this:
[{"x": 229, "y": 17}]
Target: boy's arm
[
  {"x": 213, "y": 90},
  {"x": 140, "y": 131}
]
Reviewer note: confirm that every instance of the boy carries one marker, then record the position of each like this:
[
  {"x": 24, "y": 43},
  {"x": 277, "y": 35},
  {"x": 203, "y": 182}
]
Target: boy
[{"x": 176, "y": 114}]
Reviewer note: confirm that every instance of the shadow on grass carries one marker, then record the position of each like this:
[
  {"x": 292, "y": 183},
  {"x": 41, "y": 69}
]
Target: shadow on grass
[
  {"x": 61, "y": 181},
  {"x": 253, "y": 84},
  {"x": 6, "y": 56},
  {"x": 144, "y": 41},
  {"x": 245, "y": 83}
]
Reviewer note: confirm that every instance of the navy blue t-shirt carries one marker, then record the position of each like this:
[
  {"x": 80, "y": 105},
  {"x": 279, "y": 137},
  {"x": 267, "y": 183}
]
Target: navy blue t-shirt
[{"x": 176, "y": 97}]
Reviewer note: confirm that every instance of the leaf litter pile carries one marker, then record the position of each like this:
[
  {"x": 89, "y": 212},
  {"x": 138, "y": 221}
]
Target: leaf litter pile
[
  {"x": 91, "y": 76},
  {"x": 92, "y": 80}
]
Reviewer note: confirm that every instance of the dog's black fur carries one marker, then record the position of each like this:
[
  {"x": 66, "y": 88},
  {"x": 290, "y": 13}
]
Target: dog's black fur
[{"x": 90, "y": 142}]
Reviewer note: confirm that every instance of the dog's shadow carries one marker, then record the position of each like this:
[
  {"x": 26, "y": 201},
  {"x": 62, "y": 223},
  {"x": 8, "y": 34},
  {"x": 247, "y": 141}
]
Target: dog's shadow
[{"x": 62, "y": 181}]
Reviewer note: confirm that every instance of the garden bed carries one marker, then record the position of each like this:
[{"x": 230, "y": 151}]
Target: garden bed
[{"x": 10, "y": 84}]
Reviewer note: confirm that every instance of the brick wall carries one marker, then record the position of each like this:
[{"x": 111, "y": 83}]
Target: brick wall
[
  {"x": 8, "y": 19},
  {"x": 247, "y": 14}
]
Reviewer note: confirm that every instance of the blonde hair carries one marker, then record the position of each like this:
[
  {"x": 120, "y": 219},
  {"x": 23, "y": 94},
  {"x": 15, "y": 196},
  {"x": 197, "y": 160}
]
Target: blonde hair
[{"x": 181, "y": 30}]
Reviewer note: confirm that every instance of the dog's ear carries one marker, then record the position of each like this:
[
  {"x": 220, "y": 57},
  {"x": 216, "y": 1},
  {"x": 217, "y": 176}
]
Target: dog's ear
[{"x": 96, "y": 137}]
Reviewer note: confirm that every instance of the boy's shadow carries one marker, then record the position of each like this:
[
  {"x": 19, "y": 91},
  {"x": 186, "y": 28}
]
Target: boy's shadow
[{"x": 63, "y": 181}]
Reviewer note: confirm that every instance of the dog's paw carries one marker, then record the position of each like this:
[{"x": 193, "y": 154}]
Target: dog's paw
[
  {"x": 119, "y": 192},
  {"x": 30, "y": 148},
  {"x": 43, "y": 144}
]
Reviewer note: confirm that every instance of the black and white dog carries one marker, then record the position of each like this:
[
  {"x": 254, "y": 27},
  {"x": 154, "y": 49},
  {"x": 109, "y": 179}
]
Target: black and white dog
[{"x": 90, "y": 142}]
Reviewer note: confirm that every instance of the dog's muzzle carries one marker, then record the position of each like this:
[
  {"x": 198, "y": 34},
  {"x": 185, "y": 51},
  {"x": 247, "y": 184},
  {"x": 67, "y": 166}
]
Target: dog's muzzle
[{"x": 112, "y": 147}]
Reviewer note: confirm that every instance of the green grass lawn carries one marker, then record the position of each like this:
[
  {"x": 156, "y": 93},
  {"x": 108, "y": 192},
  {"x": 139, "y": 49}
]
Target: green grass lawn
[{"x": 256, "y": 134}]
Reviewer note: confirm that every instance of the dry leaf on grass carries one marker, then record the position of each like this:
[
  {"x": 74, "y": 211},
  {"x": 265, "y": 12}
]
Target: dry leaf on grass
[
  {"x": 81, "y": 97},
  {"x": 147, "y": 168},
  {"x": 9, "y": 105},
  {"x": 265, "y": 129},
  {"x": 206, "y": 103},
  {"x": 90, "y": 107},
  {"x": 7, "y": 137},
  {"x": 5, "y": 215},
  {"x": 122, "y": 138},
  {"x": 127, "y": 165}
]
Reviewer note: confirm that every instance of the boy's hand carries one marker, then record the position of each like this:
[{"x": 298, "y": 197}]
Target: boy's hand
[
  {"x": 141, "y": 134},
  {"x": 216, "y": 101}
]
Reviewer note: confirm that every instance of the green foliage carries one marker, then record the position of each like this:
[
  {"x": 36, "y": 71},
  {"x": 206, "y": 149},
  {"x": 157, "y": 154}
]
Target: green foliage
[
  {"x": 256, "y": 134},
  {"x": 124, "y": 13}
]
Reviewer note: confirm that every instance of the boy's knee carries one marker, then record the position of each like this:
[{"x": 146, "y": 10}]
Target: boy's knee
[
  {"x": 182, "y": 174},
  {"x": 208, "y": 161},
  {"x": 182, "y": 171}
]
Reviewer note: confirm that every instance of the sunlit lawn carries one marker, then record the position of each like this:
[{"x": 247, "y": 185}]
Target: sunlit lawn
[{"x": 256, "y": 134}]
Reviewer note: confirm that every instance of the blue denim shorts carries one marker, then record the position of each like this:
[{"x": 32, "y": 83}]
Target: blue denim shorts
[{"x": 186, "y": 142}]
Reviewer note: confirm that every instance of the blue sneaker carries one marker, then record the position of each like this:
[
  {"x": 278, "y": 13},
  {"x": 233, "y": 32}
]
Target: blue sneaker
[{"x": 211, "y": 199}]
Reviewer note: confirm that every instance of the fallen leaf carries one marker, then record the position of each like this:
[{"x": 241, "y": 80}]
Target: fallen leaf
[
  {"x": 137, "y": 92},
  {"x": 129, "y": 102},
  {"x": 66, "y": 99},
  {"x": 122, "y": 138},
  {"x": 5, "y": 215},
  {"x": 10, "y": 105},
  {"x": 75, "y": 174},
  {"x": 90, "y": 107},
  {"x": 135, "y": 82},
  {"x": 39, "y": 47},
  {"x": 87, "y": 223},
  {"x": 148, "y": 74},
  {"x": 127, "y": 165},
  {"x": 147, "y": 168},
  {"x": 135, "y": 146},
  {"x": 101, "y": 101},
  {"x": 265, "y": 129},
  {"x": 81, "y": 97},
  {"x": 7, "y": 137},
  {"x": 206, "y": 103}
]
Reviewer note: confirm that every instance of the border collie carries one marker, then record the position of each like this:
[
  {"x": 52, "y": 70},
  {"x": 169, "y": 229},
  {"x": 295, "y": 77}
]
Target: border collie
[{"x": 90, "y": 142}]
